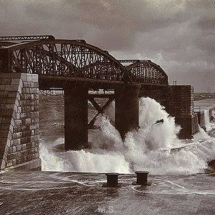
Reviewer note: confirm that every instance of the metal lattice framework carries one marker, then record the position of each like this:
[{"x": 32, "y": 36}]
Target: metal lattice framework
[
  {"x": 75, "y": 59},
  {"x": 70, "y": 58},
  {"x": 145, "y": 71}
]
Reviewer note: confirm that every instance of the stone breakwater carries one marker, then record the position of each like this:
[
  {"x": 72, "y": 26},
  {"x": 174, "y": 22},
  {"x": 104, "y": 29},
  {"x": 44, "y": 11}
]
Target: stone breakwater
[{"x": 19, "y": 121}]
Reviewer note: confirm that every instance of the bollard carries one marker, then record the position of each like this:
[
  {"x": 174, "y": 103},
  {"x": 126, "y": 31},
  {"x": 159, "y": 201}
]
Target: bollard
[
  {"x": 112, "y": 179},
  {"x": 142, "y": 177}
]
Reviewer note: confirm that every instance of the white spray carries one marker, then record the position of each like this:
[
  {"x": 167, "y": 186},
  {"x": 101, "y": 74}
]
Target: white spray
[{"x": 154, "y": 147}]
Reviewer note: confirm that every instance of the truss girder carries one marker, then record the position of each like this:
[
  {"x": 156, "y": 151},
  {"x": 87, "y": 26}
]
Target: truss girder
[
  {"x": 65, "y": 58},
  {"x": 145, "y": 71},
  {"x": 77, "y": 59}
]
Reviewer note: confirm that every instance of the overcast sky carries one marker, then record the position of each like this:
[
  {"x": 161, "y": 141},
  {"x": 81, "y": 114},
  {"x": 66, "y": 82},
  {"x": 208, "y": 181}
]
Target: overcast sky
[{"x": 178, "y": 35}]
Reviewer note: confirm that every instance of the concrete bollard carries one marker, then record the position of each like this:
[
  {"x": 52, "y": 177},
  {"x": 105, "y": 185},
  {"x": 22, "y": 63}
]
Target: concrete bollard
[
  {"x": 112, "y": 179},
  {"x": 142, "y": 177}
]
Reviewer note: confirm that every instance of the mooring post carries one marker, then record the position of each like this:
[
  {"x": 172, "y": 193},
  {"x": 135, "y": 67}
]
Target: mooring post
[
  {"x": 76, "y": 117},
  {"x": 112, "y": 179},
  {"x": 127, "y": 108},
  {"x": 142, "y": 177}
]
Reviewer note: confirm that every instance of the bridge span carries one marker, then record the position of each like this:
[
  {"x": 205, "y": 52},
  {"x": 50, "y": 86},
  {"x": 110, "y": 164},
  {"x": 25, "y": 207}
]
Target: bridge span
[{"x": 30, "y": 63}]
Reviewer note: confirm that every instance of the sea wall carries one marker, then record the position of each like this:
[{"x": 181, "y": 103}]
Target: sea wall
[{"x": 19, "y": 121}]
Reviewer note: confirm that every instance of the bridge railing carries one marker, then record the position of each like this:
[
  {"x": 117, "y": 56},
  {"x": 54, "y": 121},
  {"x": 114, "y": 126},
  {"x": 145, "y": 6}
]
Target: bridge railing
[{"x": 22, "y": 38}]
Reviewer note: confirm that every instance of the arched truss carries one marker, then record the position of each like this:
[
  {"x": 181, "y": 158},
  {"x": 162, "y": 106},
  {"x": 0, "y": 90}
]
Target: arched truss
[
  {"x": 75, "y": 59},
  {"x": 70, "y": 58},
  {"x": 146, "y": 72}
]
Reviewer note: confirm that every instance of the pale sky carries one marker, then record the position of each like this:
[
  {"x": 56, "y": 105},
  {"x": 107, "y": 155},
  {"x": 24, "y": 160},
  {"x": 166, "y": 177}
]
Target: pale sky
[{"x": 178, "y": 35}]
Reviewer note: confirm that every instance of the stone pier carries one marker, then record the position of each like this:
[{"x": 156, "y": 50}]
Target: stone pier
[
  {"x": 180, "y": 104},
  {"x": 19, "y": 121}
]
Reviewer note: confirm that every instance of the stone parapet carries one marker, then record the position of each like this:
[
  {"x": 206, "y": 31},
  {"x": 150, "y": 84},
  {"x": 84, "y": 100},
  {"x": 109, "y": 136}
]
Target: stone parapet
[{"x": 19, "y": 120}]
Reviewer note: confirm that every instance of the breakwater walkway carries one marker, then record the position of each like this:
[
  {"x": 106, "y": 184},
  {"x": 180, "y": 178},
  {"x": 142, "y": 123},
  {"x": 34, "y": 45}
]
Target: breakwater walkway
[{"x": 83, "y": 193}]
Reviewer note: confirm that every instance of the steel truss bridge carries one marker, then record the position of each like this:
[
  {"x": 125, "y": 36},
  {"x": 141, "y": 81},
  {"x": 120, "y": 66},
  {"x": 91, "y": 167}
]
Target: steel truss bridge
[{"x": 74, "y": 60}]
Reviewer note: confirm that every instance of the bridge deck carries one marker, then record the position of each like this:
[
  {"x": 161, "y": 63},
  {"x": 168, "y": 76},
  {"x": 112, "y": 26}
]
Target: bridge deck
[{"x": 76, "y": 193}]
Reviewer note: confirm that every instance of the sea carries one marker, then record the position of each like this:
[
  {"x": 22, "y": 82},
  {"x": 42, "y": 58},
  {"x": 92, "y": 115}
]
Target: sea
[{"x": 155, "y": 147}]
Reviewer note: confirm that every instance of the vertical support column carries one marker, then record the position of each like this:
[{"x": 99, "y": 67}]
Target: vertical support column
[
  {"x": 127, "y": 108},
  {"x": 76, "y": 117},
  {"x": 5, "y": 61}
]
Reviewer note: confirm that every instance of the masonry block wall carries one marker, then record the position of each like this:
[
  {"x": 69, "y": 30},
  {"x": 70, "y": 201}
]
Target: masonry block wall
[
  {"x": 180, "y": 104},
  {"x": 19, "y": 121}
]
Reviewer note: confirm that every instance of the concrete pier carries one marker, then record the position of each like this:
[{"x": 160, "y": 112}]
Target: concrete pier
[
  {"x": 127, "y": 108},
  {"x": 76, "y": 117}
]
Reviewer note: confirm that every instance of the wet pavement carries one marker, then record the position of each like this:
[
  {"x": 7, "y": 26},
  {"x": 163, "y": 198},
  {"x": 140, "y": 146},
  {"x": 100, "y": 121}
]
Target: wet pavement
[{"x": 84, "y": 193}]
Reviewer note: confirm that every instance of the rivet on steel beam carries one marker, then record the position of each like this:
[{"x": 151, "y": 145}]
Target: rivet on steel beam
[
  {"x": 142, "y": 177},
  {"x": 112, "y": 179}
]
